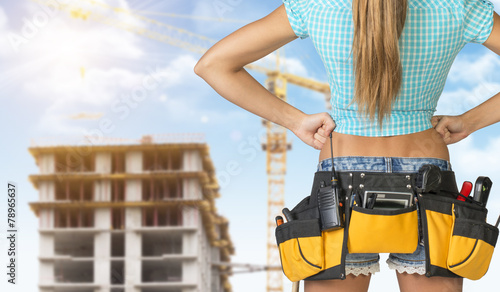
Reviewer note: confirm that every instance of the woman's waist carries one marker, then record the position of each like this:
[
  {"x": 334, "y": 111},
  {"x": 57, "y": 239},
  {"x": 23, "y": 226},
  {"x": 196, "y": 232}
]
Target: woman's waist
[
  {"x": 381, "y": 164},
  {"x": 425, "y": 144}
]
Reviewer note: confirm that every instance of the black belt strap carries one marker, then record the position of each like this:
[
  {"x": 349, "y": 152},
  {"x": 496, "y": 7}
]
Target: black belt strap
[
  {"x": 381, "y": 180},
  {"x": 378, "y": 181}
]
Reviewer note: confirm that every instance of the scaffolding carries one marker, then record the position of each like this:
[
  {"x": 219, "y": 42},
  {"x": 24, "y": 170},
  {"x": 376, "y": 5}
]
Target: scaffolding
[{"x": 138, "y": 216}]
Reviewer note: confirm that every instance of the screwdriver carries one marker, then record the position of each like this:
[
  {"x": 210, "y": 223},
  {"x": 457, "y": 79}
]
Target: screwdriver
[
  {"x": 279, "y": 220},
  {"x": 465, "y": 191}
]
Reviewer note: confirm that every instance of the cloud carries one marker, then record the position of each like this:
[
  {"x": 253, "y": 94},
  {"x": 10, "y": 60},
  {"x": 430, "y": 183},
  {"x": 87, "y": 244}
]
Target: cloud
[
  {"x": 462, "y": 99},
  {"x": 117, "y": 92},
  {"x": 67, "y": 39},
  {"x": 69, "y": 94},
  {"x": 472, "y": 80},
  {"x": 289, "y": 65},
  {"x": 189, "y": 98},
  {"x": 48, "y": 48},
  {"x": 73, "y": 65},
  {"x": 3, "y": 19},
  {"x": 4, "y": 43},
  {"x": 474, "y": 69},
  {"x": 231, "y": 15},
  {"x": 470, "y": 159},
  {"x": 65, "y": 84}
]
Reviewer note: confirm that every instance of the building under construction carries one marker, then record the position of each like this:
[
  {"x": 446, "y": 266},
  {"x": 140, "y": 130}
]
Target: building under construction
[{"x": 135, "y": 216}]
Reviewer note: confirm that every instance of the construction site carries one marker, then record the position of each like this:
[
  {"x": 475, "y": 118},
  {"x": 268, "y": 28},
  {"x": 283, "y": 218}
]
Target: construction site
[
  {"x": 141, "y": 216},
  {"x": 135, "y": 217}
]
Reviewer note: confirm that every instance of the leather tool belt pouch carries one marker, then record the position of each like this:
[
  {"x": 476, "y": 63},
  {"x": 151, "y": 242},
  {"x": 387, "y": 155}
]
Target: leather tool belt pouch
[
  {"x": 457, "y": 238},
  {"x": 306, "y": 252},
  {"x": 382, "y": 230}
]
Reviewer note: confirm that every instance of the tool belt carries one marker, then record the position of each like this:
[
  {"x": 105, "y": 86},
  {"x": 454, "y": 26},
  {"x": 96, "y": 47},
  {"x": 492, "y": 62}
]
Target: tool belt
[{"x": 458, "y": 241}]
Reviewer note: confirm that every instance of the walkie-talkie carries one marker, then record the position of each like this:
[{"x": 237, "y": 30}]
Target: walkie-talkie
[{"x": 329, "y": 204}]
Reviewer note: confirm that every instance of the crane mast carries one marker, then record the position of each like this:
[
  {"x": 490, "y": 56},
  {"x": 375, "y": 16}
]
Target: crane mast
[{"x": 276, "y": 146}]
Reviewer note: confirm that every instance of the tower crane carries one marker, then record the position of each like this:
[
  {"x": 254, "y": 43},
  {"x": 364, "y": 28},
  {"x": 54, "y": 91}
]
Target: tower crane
[{"x": 276, "y": 144}]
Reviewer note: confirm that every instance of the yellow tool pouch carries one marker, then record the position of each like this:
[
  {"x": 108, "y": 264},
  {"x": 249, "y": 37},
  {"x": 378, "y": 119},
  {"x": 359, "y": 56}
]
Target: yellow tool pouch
[
  {"x": 375, "y": 231},
  {"x": 301, "y": 248},
  {"x": 458, "y": 240},
  {"x": 307, "y": 252}
]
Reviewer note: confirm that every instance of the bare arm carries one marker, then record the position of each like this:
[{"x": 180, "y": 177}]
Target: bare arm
[
  {"x": 222, "y": 68},
  {"x": 456, "y": 128}
]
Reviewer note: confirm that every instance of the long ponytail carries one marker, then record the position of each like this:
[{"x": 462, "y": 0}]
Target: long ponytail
[{"x": 378, "y": 24}]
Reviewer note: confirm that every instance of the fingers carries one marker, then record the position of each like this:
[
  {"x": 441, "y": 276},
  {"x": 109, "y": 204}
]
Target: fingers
[
  {"x": 446, "y": 136},
  {"x": 328, "y": 125},
  {"x": 320, "y": 138},
  {"x": 317, "y": 145},
  {"x": 323, "y": 132},
  {"x": 440, "y": 125},
  {"x": 316, "y": 129},
  {"x": 435, "y": 120}
]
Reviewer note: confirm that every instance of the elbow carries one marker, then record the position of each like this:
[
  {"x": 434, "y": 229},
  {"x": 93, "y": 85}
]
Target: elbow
[
  {"x": 211, "y": 64},
  {"x": 203, "y": 66},
  {"x": 199, "y": 68}
]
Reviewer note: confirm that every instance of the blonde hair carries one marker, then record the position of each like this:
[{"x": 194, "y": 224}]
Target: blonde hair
[{"x": 378, "y": 24}]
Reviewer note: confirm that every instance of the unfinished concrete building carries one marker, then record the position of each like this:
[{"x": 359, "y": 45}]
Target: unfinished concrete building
[{"x": 134, "y": 217}]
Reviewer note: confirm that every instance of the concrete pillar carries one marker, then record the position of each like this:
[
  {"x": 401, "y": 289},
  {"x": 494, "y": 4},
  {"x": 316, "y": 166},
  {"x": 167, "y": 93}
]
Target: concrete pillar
[
  {"x": 133, "y": 249},
  {"x": 46, "y": 249},
  {"x": 46, "y": 273},
  {"x": 200, "y": 264},
  {"x": 102, "y": 264},
  {"x": 47, "y": 191},
  {"x": 191, "y": 217},
  {"x": 133, "y": 162},
  {"x": 191, "y": 273},
  {"x": 46, "y": 219},
  {"x": 102, "y": 190},
  {"x": 46, "y": 245},
  {"x": 46, "y": 163},
  {"x": 215, "y": 276},
  {"x": 190, "y": 244},
  {"x": 102, "y": 219},
  {"x": 102, "y": 240},
  {"x": 191, "y": 189},
  {"x": 103, "y": 162},
  {"x": 102, "y": 249},
  {"x": 133, "y": 190},
  {"x": 191, "y": 161},
  {"x": 133, "y": 187}
]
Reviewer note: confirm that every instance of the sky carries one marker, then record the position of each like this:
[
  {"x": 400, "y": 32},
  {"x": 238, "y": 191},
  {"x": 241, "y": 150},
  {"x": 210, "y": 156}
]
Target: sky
[{"x": 143, "y": 86}]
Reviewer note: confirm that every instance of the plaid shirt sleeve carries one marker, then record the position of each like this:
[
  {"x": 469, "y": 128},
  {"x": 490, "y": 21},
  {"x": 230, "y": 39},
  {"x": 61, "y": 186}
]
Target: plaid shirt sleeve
[
  {"x": 296, "y": 11},
  {"x": 478, "y": 20}
]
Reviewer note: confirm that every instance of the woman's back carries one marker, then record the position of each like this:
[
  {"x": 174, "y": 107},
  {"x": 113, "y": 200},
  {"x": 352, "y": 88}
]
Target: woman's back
[{"x": 434, "y": 32}]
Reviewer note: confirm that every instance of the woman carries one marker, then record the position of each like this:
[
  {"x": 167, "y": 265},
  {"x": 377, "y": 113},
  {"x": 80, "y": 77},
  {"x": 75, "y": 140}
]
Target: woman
[{"x": 387, "y": 61}]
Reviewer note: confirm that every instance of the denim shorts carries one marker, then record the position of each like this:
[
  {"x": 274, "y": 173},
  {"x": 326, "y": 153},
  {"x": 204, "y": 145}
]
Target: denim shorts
[{"x": 368, "y": 263}]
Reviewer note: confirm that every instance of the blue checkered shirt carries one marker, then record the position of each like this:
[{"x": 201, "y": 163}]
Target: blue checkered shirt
[{"x": 435, "y": 31}]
